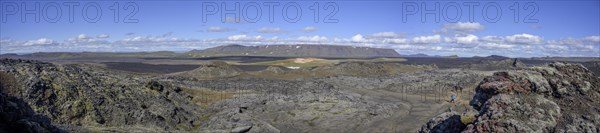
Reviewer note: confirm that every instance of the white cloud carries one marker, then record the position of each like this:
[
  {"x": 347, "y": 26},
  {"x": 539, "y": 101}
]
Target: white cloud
[
  {"x": 441, "y": 44},
  {"x": 449, "y": 40},
  {"x": 590, "y": 40},
  {"x": 137, "y": 39},
  {"x": 312, "y": 38},
  {"x": 556, "y": 47},
  {"x": 376, "y": 38},
  {"x": 103, "y": 36},
  {"x": 342, "y": 41},
  {"x": 416, "y": 47},
  {"x": 593, "y": 39},
  {"x": 524, "y": 39},
  {"x": 468, "y": 39},
  {"x": 404, "y": 46},
  {"x": 5, "y": 40},
  {"x": 566, "y": 41},
  {"x": 309, "y": 29},
  {"x": 269, "y": 30},
  {"x": 495, "y": 39},
  {"x": 385, "y": 34},
  {"x": 396, "y": 40},
  {"x": 153, "y": 39},
  {"x": 358, "y": 38},
  {"x": 427, "y": 39},
  {"x": 41, "y": 41},
  {"x": 275, "y": 38},
  {"x": 237, "y": 37},
  {"x": 576, "y": 44},
  {"x": 463, "y": 27},
  {"x": 218, "y": 29},
  {"x": 244, "y": 38},
  {"x": 83, "y": 36},
  {"x": 491, "y": 45}
]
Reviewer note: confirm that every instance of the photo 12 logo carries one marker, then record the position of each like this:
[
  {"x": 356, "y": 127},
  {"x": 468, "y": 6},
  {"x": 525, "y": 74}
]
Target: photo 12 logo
[
  {"x": 252, "y": 12},
  {"x": 53, "y": 12},
  {"x": 452, "y": 12}
]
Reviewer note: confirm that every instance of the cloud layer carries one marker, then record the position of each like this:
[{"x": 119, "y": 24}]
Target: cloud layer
[{"x": 458, "y": 39}]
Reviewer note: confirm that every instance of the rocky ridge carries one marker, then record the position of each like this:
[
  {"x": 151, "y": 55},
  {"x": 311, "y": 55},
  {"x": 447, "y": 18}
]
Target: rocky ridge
[
  {"x": 72, "y": 95},
  {"x": 557, "y": 97}
]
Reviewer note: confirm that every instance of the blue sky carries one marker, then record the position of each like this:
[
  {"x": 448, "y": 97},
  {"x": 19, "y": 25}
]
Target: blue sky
[{"x": 559, "y": 28}]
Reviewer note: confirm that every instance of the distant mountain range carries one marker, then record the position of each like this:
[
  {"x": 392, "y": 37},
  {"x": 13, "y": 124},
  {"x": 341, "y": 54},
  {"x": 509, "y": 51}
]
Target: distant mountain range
[
  {"x": 454, "y": 56},
  {"x": 299, "y": 50},
  {"x": 331, "y": 51},
  {"x": 295, "y": 51},
  {"x": 416, "y": 55},
  {"x": 497, "y": 57},
  {"x": 420, "y": 55}
]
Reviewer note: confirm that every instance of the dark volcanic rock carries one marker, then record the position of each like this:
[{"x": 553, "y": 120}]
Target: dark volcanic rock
[
  {"x": 448, "y": 122},
  {"x": 554, "y": 98},
  {"x": 593, "y": 66},
  {"x": 16, "y": 116},
  {"x": 86, "y": 95}
]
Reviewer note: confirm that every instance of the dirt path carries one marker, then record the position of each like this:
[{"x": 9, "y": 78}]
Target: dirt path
[{"x": 412, "y": 115}]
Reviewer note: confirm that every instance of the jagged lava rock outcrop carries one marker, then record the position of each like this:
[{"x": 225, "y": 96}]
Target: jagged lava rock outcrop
[
  {"x": 82, "y": 96},
  {"x": 557, "y": 97},
  {"x": 17, "y": 116}
]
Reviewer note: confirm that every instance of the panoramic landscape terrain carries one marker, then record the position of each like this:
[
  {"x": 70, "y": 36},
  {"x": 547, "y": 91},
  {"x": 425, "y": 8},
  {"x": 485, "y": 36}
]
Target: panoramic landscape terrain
[
  {"x": 357, "y": 89},
  {"x": 291, "y": 66}
]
